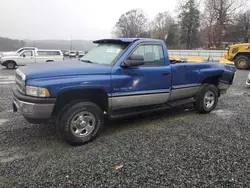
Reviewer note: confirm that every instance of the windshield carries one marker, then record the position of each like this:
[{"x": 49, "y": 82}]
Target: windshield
[
  {"x": 22, "y": 49},
  {"x": 104, "y": 53}
]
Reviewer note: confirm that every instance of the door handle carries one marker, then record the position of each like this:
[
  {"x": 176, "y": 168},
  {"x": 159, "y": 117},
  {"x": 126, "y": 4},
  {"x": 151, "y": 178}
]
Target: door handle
[{"x": 165, "y": 73}]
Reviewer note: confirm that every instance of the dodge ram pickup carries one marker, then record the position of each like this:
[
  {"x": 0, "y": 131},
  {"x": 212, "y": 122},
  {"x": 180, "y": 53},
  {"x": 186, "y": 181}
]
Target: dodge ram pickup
[{"x": 119, "y": 78}]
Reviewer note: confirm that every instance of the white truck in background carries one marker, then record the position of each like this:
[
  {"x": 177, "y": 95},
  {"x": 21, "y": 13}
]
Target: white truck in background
[{"x": 27, "y": 57}]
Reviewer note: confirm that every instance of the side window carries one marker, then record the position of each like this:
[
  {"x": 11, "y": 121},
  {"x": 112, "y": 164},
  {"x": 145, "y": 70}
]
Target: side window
[
  {"x": 27, "y": 54},
  {"x": 152, "y": 53},
  {"x": 48, "y": 53},
  {"x": 41, "y": 53},
  {"x": 54, "y": 53}
]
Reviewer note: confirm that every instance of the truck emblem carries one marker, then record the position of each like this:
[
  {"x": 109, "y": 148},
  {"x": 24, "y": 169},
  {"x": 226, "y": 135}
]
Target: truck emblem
[{"x": 82, "y": 83}]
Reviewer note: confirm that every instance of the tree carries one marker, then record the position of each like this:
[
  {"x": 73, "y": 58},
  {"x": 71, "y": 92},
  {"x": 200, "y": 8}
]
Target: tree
[
  {"x": 208, "y": 19},
  {"x": 7, "y": 44},
  {"x": 132, "y": 24},
  {"x": 219, "y": 15},
  {"x": 173, "y": 39},
  {"x": 190, "y": 22},
  {"x": 161, "y": 25},
  {"x": 244, "y": 25}
]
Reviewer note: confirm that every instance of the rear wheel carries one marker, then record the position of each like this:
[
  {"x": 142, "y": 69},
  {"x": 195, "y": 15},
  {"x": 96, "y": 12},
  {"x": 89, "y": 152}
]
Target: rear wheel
[
  {"x": 10, "y": 65},
  {"x": 242, "y": 62},
  {"x": 80, "y": 122},
  {"x": 206, "y": 99}
]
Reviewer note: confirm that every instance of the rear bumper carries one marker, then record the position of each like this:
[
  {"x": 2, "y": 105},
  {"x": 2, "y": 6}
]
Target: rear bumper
[{"x": 33, "y": 107}]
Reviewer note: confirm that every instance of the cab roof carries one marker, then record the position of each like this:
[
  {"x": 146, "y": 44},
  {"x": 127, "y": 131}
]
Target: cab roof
[{"x": 121, "y": 40}]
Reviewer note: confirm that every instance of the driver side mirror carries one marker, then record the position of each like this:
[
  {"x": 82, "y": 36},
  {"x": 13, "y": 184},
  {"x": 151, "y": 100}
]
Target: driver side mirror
[
  {"x": 133, "y": 60},
  {"x": 23, "y": 55}
]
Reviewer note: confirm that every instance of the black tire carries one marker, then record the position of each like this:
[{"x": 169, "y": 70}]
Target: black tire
[
  {"x": 242, "y": 62},
  {"x": 10, "y": 65},
  {"x": 202, "y": 104},
  {"x": 66, "y": 128}
]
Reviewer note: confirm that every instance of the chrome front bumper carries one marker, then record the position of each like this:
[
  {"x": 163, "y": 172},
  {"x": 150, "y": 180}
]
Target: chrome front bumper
[{"x": 33, "y": 110}]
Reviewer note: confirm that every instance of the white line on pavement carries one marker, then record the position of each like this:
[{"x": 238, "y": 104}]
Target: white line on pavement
[{"x": 5, "y": 80}]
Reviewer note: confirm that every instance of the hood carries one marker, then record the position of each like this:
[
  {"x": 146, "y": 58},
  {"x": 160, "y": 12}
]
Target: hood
[
  {"x": 9, "y": 57},
  {"x": 8, "y": 53},
  {"x": 66, "y": 68}
]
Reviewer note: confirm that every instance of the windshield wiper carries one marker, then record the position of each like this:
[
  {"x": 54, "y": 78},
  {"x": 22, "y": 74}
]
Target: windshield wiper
[{"x": 86, "y": 61}]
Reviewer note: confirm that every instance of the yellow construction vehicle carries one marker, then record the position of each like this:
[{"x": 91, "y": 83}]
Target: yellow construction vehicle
[{"x": 240, "y": 54}]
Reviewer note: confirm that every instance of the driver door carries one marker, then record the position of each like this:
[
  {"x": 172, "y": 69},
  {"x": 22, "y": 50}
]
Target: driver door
[
  {"x": 27, "y": 57},
  {"x": 142, "y": 85}
]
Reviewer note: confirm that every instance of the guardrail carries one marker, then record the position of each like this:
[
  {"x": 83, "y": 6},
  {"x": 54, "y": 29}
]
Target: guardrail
[
  {"x": 208, "y": 55},
  {"x": 200, "y": 55}
]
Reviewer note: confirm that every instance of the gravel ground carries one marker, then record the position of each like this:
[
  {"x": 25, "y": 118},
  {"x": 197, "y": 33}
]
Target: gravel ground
[{"x": 174, "y": 148}]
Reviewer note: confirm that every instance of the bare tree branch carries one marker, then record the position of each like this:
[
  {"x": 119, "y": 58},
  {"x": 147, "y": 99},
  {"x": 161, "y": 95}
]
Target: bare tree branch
[{"x": 132, "y": 24}]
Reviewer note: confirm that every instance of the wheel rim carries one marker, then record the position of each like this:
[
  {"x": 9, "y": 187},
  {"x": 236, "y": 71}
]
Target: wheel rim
[
  {"x": 10, "y": 65},
  {"x": 242, "y": 62},
  {"x": 209, "y": 99},
  {"x": 82, "y": 124}
]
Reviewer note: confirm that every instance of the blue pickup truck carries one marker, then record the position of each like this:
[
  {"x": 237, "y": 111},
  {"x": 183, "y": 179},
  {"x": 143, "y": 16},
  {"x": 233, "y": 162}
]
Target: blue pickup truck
[{"x": 119, "y": 78}]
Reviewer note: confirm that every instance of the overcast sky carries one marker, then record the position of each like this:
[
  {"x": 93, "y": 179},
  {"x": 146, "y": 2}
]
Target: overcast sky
[{"x": 61, "y": 19}]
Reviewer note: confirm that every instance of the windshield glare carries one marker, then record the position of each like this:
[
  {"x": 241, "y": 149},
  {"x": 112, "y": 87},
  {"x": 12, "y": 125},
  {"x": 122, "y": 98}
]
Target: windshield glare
[{"x": 104, "y": 53}]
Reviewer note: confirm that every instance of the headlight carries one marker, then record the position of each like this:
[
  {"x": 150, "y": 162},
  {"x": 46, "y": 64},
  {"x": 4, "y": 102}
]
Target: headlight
[{"x": 37, "y": 91}]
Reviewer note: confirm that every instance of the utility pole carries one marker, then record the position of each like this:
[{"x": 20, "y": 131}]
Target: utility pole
[{"x": 70, "y": 43}]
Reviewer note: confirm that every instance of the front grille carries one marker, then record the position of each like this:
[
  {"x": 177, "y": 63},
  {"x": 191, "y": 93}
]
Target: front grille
[
  {"x": 18, "y": 77},
  {"x": 20, "y": 83},
  {"x": 20, "y": 87}
]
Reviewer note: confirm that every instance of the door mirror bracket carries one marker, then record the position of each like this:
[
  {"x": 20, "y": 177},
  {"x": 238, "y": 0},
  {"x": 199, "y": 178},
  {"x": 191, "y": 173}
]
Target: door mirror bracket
[{"x": 133, "y": 60}]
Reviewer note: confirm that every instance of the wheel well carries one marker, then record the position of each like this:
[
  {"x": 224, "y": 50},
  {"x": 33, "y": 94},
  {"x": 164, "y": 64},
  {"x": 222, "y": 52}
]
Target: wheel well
[
  {"x": 97, "y": 96},
  {"x": 211, "y": 80},
  {"x": 50, "y": 61},
  {"x": 5, "y": 63},
  {"x": 247, "y": 54}
]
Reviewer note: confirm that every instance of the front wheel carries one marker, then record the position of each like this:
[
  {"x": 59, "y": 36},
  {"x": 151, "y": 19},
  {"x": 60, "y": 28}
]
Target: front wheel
[
  {"x": 80, "y": 123},
  {"x": 206, "y": 99},
  {"x": 10, "y": 65},
  {"x": 242, "y": 62}
]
